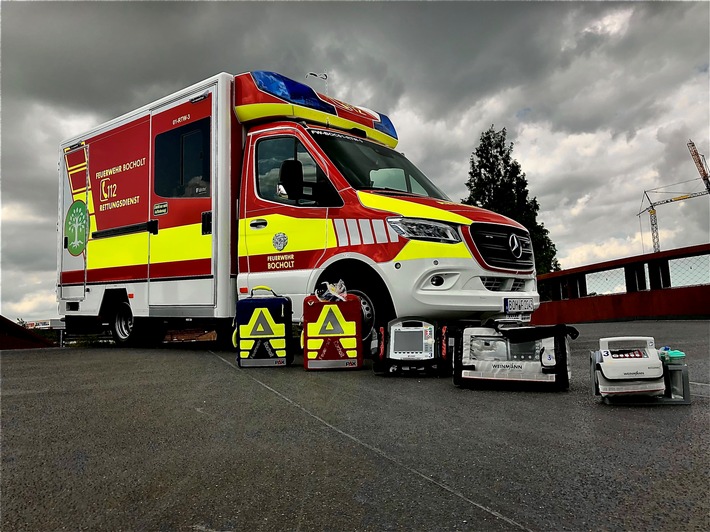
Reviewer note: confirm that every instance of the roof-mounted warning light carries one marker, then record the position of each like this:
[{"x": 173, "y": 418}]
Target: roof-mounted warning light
[
  {"x": 290, "y": 91},
  {"x": 296, "y": 93}
]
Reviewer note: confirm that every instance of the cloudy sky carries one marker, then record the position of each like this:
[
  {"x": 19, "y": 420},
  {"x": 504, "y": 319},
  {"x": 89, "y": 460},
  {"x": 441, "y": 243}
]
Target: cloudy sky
[{"x": 599, "y": 99}]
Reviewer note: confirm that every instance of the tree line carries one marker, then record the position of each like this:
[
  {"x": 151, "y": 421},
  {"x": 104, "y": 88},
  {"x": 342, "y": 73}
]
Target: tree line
[{"x": 497, "y": 182}]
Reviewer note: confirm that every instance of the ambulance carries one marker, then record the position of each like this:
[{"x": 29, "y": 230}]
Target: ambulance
[{"x": 171, "y": 213}]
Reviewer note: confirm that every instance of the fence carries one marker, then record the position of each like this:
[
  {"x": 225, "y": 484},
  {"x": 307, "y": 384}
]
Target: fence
[{"x": 668, "y": 284}]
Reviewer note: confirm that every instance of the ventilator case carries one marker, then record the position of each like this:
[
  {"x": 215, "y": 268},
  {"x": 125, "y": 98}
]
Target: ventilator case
[
  {"x": 332, "y": 333},
  {"x": 630, "y": 368},
  {"x": 262, "y": 332},
  {"x": 497, "y": 353}
]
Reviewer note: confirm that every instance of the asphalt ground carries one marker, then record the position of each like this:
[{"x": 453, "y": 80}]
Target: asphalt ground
[{"x": 180, "y": 438}]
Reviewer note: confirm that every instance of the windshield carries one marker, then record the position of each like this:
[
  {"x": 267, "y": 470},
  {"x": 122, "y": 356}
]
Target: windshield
[{"x": 370, "y": 166}]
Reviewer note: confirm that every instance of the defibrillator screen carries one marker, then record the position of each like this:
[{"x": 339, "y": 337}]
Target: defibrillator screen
[{"x": 408, "y": 341}]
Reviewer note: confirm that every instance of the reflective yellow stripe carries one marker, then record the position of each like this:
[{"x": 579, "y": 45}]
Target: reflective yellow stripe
[
  {"x": 410, "y": 209},
  {"x": 303, "y": 234},
  {"x": 255, "y": 111},
  {"x": 169, "y": 245},
  {"x": 348, "y": 343},
  {"x": 126, "y": 250},
  {"x": 278, "y": 343},
  {"x": 76, "y": 169},
  {"x": 241, "y": 244},
  {"x": 418, "y": 249},
  {"x": 180, "y": 243},
  {"x": 315, "y": 343}
]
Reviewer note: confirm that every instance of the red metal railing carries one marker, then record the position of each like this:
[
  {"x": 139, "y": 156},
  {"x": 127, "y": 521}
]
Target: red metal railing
[{"x": 648, "y": 290}]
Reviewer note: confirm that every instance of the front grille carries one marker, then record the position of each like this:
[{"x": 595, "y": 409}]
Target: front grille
[
  {"x": 518, "y": 285},
  {"x": 503, "y": 284},
  {"x": 493, "y": 243},
  {"x": 494, "y": 284}
]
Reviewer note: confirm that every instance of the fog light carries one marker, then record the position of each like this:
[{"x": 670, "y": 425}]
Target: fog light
[{"x": 437, "y": 280}]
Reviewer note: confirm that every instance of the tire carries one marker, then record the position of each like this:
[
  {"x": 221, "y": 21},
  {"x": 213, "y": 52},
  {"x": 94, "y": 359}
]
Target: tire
[
  {"x": 377, "y": 309},
  {"x": 128, "y": 331},
  {"x": 123, "y": 327}
]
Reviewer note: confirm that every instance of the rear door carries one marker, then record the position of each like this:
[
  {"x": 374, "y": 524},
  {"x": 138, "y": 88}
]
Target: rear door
[
  {"x": 75, "y": 223},
  {"x": 181, "y": 267}
]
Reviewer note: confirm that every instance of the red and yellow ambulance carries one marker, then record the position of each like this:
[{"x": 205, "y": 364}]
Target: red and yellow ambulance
[{"x": 175, "y": 210}]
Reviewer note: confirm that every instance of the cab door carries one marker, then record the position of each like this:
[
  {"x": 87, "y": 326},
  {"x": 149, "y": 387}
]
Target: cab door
[
  {"x": 285, "y": 229},
  {"x": 181, "y": 267}
]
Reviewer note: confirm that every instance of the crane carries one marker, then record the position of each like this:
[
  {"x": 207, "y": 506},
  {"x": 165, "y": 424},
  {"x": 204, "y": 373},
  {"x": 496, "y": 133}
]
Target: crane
[{"x": 702, "y": 166}]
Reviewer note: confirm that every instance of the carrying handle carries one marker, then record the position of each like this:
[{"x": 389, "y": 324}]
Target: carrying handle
[{"x": 262, "y": 287}]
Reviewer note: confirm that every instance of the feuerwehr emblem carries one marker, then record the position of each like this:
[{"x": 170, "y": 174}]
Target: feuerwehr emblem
[
  {"x": 514, "y": 244},
  {"x": 280, "y": 240}
]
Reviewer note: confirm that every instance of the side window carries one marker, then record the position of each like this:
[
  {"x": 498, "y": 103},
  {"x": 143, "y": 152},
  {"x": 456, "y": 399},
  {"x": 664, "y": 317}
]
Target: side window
[
  {"x": 417, "y": 187},
  {"x": 281, "y": 185},
  {"x": 182, "y": 161}
]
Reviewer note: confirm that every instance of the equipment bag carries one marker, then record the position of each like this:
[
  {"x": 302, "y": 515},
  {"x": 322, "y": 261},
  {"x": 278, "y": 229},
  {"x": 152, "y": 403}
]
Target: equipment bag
[
  {"x": 332, "y": 333},
  {"x": 262, "y": 332}
]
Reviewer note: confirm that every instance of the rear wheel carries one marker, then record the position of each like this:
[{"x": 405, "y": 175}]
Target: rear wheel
[
  {"x": 123, "y": 327},
  {"x": 130, "y": 331}
]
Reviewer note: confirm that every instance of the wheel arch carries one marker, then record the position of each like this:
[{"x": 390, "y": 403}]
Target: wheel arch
[
  {"x": 359, "y": 275},
  {"x": 111, "y": 299}
]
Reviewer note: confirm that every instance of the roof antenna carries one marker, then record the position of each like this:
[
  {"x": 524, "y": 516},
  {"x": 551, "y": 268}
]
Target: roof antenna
[{"x": 323, "y": 76}]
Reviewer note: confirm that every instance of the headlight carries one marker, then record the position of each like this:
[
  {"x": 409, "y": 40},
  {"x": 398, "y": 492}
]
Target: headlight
[{"x": 418, "y": 229}]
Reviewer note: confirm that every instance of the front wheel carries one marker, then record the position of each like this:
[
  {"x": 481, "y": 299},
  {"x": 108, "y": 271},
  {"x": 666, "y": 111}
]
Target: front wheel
[{"x": 377, "y": 310}]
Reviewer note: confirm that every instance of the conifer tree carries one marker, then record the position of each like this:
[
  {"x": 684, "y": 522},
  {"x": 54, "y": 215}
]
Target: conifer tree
[{"x": 496, "y": 182}]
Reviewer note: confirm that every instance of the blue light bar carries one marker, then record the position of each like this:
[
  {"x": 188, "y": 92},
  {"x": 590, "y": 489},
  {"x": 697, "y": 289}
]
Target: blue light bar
[
  {"x": 290, "y": 91},
  {"x": 386, "y": 126}
]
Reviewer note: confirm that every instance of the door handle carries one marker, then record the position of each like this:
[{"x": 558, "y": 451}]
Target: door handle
[
  {"x": 207, "y": 223},
  {"x": 259, "y": 223}
]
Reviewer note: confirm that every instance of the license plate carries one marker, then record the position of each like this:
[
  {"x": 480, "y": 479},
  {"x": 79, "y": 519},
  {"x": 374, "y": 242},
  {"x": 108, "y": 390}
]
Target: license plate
[{"x": 519, "y": 304}]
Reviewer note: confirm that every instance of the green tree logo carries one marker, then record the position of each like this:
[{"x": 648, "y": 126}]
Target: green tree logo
[{"x": 76, "y": 228}]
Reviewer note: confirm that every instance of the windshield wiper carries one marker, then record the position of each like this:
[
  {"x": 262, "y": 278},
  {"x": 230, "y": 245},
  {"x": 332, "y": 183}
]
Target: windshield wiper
[{"x": 393, "y": 191}]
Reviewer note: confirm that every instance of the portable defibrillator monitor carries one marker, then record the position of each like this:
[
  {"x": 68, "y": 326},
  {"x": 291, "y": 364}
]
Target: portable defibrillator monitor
[
  {"x": 411, "y": 340},
  {"x": 409, "y": 344}
]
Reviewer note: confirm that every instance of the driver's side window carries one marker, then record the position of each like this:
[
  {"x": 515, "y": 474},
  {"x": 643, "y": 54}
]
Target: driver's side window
[{"x": 308, "y": 188}]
